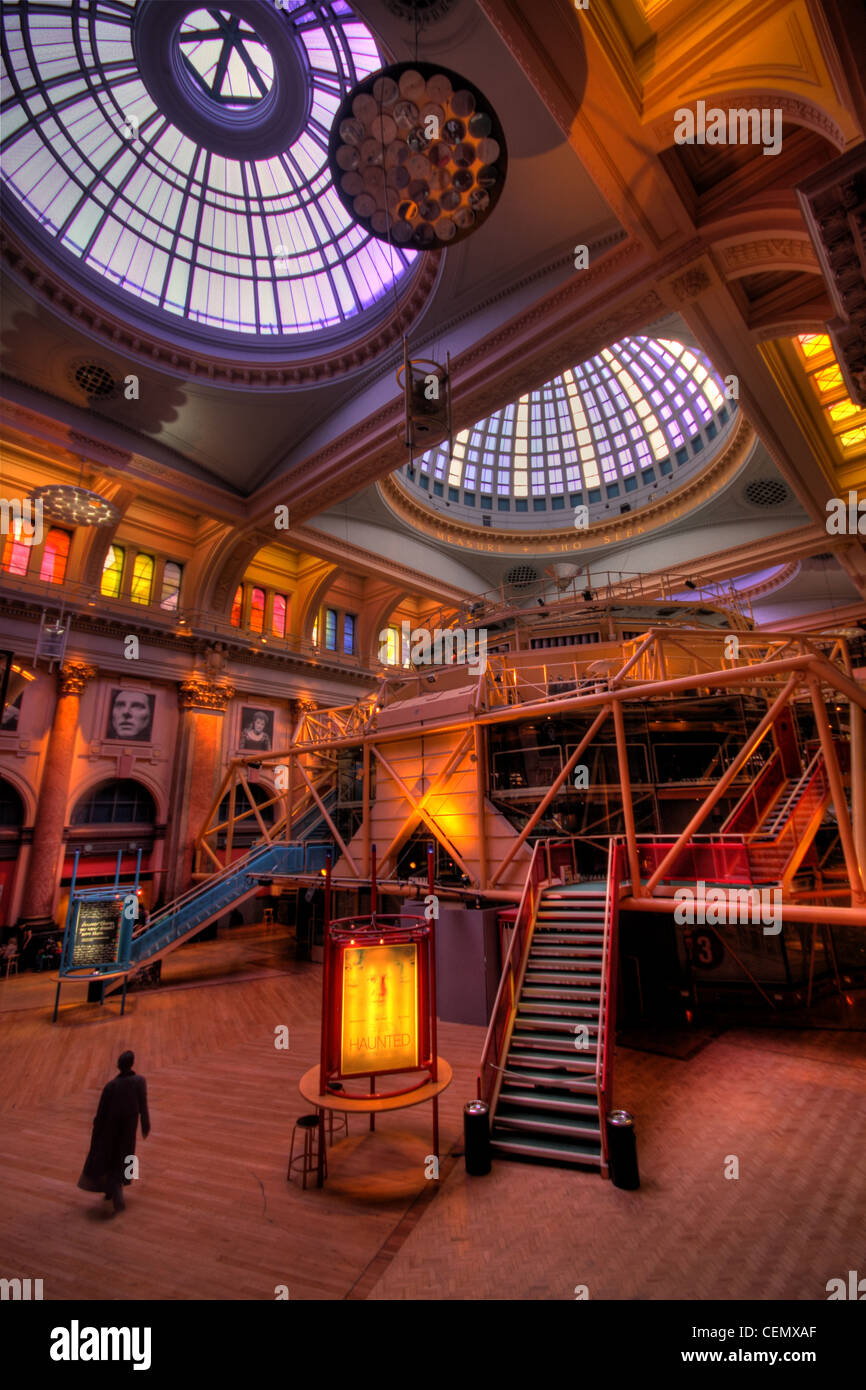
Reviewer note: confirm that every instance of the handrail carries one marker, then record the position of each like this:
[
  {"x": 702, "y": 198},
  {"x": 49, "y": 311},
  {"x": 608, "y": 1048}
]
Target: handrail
[
  {"x": 607, "y": 1000},
  {"x": 750, "y": 795},
  {"x": 795, "y": 795},
  {"x": 508, "y": 976}
]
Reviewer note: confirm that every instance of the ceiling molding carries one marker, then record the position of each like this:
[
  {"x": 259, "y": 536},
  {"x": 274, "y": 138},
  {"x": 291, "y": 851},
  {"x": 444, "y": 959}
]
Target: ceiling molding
[
  {"x": 673, "y": 507},
  {"x": 238, "y": 366}
]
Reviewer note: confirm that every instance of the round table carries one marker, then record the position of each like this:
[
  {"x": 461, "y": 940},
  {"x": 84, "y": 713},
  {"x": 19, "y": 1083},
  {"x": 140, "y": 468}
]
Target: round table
[{"x": 372, "y": 1105}]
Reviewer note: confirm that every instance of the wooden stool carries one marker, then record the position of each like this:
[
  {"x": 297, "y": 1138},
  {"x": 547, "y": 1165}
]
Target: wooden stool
[
  {"x": 268, "y": 916},
  {"x": 11, "y": 966},
  {"x": 308, "y": 1158},
  {"x": 337, "y": 1088}
]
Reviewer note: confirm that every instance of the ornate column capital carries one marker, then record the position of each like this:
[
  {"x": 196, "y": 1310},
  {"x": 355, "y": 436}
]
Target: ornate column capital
[
  {"x": 73, "y": 677},
  {"x": 202, "y": 692}
]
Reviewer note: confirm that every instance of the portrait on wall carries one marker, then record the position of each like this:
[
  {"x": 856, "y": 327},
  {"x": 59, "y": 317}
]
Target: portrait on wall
[
  {"x": 130, "y": 715},
  {"x": 257, "y": 729}
]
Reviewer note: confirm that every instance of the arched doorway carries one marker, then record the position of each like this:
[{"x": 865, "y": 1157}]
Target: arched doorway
[
  {"x": 116, "y": 816},
  {"x": 12, "y": 817}
]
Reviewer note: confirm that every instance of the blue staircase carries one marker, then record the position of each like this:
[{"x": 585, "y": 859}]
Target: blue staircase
[{"x": 199, "y": 906}]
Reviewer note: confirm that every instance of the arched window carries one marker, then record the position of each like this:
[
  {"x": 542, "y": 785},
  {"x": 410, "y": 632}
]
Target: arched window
[
  {"x": 16, "y": 555},
  {"x": 170, "y": 587},
  {"x": 330, "y": 630},
  {"x": 55, "y": 556},
  {"x": 257, "y": 610},
  {"x": 278, "y": 618},
  {"x": 112, "y": 571},
  {"x": 123, "y": 802},
  {"x": 237, "y": 606},
  {"x": 316, "y": 633},
  {"x": 392, "y": 652},
  {"x": 349, "y": 633},
  {"x": 11, "y": 806},
  {"x": 142, "y": 579}
]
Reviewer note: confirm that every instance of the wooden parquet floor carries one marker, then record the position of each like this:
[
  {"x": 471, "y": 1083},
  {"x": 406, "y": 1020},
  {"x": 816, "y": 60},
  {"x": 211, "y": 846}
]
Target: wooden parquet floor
[{"x": 214, "y": 1218}]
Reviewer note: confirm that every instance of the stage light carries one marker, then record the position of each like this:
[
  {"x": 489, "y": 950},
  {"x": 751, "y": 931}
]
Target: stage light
[
  {"x": 690, "y": 584},
  {"x": 324, "y": 873},
  {"x": 588, "y": 596}
]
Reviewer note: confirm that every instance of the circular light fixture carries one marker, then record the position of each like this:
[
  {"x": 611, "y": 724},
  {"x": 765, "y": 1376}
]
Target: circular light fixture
[
  {"x": 418, "y": 156},
  {"x": 76, "y": 505}
]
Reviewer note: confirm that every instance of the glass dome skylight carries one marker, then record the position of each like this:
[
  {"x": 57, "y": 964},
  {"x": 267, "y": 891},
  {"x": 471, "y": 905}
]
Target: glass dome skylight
[
  {"x": 619, "y": 426},
  {"x": 180, "y": 151}
]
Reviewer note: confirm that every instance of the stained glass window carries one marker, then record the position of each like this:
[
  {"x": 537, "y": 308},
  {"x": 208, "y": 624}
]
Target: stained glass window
[
  {"x": 349, "y": 633},
  {"x": 278, "y": 615},
  {"x": 112, "y": 571},
  {"x": 330, "y": 630},
  {"x": 845, "y": 418},
  {"x": 603, "y": 428},
  {"x": 142, "y": 579},
  {"x": 170, "y": 586},
  {"x": 16, "y": 554},
  {"x": 251, "y": 245},
  {"x": 237, "y": 606},
  {"x": 257, "y": 610},
  {"x": 55, "y": 556}
]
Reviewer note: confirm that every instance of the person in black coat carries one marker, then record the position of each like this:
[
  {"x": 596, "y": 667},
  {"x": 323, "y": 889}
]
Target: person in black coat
[{"x": 114, "y": 1131}]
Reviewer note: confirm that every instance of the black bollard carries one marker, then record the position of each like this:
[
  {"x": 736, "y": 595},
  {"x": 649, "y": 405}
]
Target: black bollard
[
  {"x": 622, "y": 1150},
  {"x": 476, "y": 1134}
]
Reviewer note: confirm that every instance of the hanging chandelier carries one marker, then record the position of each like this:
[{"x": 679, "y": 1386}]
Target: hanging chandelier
[
  {"x": 76, "y": 505},
  {"x": 418, "y": 156}
]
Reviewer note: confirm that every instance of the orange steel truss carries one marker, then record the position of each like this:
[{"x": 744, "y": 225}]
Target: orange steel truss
[{"x": 424, "y": 734}]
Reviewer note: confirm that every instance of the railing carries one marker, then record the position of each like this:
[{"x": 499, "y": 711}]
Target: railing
[
  {"x": 607, "y": 998},
  {"x": 753, "y": 803},
  {"x": 505, "y": 1004},
  {"x": 795, "y": 795},
  {"x": 199, "y": 905}
]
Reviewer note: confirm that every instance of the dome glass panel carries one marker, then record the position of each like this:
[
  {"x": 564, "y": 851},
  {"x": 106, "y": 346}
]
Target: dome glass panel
[{"x": 149, "y": 201}]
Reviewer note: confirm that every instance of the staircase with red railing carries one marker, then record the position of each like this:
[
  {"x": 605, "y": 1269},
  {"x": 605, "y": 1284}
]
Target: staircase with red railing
[{"x": 547, "y": 1066}]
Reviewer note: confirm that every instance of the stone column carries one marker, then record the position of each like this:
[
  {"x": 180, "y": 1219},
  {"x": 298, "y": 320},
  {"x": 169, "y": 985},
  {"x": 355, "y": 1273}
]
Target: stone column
[
  {"x": 203, "y": 702},
  {"x": 41, "y": 890}
]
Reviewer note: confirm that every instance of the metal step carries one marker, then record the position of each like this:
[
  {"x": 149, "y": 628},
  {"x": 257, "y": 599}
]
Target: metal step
[
  {"x": 549, "y": 1033},
  {"x": 544, "y": 1146},
  {"x": 555, "y": 1009},
  {"x": 555, "y": 989},
  {"x": 542, "y": 977},
  {"x": 555, "y": 1076},
  {"x": 519, "y": 1056},
  {"x": 531, "y": 1122},
  {"x": 547, "y": 1100},
  {"x": 556, "y": 938}
]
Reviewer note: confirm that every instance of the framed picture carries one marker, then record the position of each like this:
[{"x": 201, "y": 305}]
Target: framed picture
[
  {"x": 256, "y": 729},
  {"x": 130, "y": 715}
]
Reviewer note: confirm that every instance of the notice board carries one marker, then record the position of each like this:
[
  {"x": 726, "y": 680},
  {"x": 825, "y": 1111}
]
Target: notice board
[{"x": 96, "y": 931}]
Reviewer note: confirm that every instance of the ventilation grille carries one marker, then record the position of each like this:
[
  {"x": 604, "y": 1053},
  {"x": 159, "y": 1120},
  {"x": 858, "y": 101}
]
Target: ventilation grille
[
  {"x": 94, "y": 380},
  {"x": 766, "y": 492},
  {"x": 521, "y": 576}
]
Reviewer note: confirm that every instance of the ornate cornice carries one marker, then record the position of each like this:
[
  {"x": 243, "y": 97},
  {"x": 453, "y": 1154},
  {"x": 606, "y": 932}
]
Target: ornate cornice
[
  {"x": 760, "y": 254},
  {"x": 241, "y": 370},
  {"x": 73, "y": 677},
  {"x": 672, "y": 507},
  {"x": 199, "y": 692}
]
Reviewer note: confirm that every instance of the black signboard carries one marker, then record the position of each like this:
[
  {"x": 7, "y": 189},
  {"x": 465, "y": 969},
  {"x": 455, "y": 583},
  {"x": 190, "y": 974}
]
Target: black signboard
[{"x": 97, "y": 933}]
